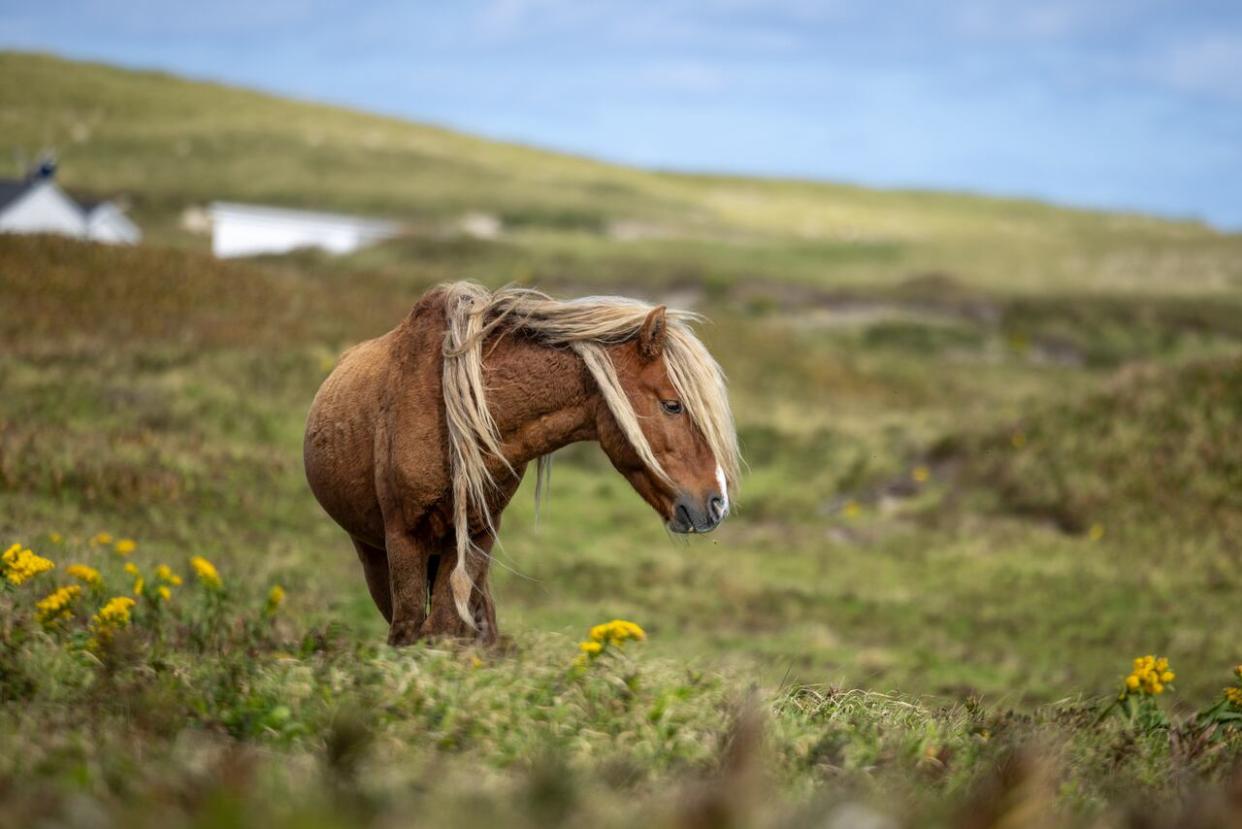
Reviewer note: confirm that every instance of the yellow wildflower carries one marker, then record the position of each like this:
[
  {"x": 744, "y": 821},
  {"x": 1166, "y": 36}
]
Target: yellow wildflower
[
  {"x": 21, "y": 564},
  {"x": 131, "y": 568},
  {"x": 590, "y": 648},
  {"x": 55, "y": 537},
  {"x": 920, "y": 474},
  {"x": 1096, "y": 532},
  {"x": 206, "y": 572},
  {"x": 115, "y": 612},
  {"x": 125, "y": 546},
  {"x": 617, "y": 632},
  {"x": 1149, "y": 677},
  {"x": 275, "y": 598},
  {"x": 164, "y": 593},
  {"x": 102, "y": 539},
  {"x": 1234, "y": 694},
  {"x": 86, "y": 574},
  {"x": 111, "y": 617},
  {"x": 852, "y": 509},
  {"x": 139, "y": 584},
  {"x": 165, "y": 574},
  {"x": 57, "y": 605}
]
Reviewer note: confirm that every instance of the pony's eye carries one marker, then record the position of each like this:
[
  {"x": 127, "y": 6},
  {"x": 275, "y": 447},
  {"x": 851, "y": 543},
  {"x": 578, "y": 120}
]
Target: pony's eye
[{"x": 671, "y": 406}]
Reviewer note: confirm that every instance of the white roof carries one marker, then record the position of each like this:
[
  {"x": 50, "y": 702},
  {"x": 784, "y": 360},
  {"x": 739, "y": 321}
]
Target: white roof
[{"x": 265, "y": 213}]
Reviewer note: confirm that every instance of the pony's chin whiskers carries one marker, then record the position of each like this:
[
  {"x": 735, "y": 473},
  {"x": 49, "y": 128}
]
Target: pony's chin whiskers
[{"x": 675, "y": 537}]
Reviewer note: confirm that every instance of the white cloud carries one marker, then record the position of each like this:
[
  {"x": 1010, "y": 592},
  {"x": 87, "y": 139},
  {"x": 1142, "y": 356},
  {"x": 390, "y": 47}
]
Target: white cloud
[
  {"x": 682, "y": 76},
  {"x": 1211, "y": 64}
]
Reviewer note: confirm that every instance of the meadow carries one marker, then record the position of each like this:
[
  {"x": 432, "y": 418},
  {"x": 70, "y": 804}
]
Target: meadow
[{"x": 992, "y": 451}]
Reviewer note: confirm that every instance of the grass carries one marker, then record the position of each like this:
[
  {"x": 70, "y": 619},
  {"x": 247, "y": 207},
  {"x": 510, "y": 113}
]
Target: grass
[{"x": 992, "y": 459}]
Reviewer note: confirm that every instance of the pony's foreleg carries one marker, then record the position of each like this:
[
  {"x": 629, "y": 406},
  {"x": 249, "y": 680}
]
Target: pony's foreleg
[
  {"x": 443, "y": 619},
  {"x": 407, "y": 583}
]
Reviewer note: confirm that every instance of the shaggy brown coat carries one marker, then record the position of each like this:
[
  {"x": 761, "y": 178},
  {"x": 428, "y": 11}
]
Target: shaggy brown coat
[{"x": 377, "y": 460}]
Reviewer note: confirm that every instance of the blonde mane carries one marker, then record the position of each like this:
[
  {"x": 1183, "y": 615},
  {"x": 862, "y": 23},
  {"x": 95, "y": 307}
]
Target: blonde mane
[{"x": 587, "y": 326}]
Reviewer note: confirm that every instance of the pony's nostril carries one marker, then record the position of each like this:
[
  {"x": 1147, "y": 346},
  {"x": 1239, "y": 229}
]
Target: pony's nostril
[
  {"x": 683, "y": 515},
  {"x": 715, "y": 507}
]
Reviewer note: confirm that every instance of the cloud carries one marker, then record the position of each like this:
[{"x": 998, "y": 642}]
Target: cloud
[
  {"x": 1209, "y": 65},
  {"x": 689, "y": 76}
]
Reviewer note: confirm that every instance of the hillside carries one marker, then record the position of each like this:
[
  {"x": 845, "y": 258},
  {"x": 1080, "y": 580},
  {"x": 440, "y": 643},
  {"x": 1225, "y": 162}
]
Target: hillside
[{"x": 168, "y": 143}]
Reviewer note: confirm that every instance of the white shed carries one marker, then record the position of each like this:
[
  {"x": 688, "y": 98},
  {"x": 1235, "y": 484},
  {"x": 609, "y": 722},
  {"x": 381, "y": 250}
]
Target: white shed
[
  {"x": 249, "y": 229},
  {"x": 106, "y": 223},
  {"x": 36, "y": 204}
]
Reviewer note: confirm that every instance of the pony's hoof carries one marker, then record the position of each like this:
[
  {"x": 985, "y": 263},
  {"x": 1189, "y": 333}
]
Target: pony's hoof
[{"x": 403, "y": 633}]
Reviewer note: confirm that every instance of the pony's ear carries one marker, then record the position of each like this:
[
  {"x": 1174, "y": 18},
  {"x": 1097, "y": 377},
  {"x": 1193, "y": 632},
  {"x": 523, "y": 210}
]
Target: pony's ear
[{"x": 651, "y": 337}]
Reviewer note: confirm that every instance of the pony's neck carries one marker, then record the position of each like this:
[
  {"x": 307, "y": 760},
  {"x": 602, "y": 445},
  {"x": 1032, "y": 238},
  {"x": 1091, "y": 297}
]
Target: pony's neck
[{"x": 542, "y": 398}]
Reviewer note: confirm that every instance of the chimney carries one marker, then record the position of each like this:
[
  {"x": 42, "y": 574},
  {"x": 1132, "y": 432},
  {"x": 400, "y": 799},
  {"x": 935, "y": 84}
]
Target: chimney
[{"x": 45, "y": 169}]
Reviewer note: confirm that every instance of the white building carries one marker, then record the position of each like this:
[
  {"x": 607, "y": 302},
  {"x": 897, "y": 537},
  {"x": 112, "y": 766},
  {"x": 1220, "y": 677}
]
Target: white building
[
  {"x": 249, "y": 229},
  {"x": 106, "y": 223},
  {"x": 36, "y": 204}
]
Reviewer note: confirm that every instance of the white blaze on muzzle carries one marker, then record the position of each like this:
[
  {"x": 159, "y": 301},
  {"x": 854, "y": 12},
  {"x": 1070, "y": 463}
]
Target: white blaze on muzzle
[{"x": 724, "y": 490}]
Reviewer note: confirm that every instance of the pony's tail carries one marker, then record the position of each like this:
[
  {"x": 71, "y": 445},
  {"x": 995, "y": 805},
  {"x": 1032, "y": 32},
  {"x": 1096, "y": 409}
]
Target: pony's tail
[{"x": 460, "y": 582}]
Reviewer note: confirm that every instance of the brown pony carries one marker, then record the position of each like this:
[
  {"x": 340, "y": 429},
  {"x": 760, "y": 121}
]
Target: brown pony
[{"x": 418, "y": 439}]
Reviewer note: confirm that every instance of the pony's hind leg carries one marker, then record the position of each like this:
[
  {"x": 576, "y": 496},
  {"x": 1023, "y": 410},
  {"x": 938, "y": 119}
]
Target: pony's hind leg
[
  {"x": 443, "y": 618},
  {"x": 407, "y": 584},
  {"x": 375, "y": 568}
]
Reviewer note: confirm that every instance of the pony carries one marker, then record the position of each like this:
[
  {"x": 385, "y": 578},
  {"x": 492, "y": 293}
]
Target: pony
[{"x": 417, "y": 440}]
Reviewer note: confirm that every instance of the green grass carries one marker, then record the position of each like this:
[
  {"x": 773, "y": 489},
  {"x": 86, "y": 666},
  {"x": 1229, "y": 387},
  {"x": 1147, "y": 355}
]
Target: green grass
[{"x": 930, "y": 649}]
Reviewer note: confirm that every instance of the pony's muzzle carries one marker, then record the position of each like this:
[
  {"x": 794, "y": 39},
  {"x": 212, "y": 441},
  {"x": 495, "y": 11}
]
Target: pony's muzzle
[{"x": 690, "y": 515}]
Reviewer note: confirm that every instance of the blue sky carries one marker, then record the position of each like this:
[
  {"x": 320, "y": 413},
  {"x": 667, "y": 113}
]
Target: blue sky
[{"x": 1134, "y": 105}]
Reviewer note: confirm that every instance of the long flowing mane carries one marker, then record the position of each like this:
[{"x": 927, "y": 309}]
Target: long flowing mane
[{"x": 587, "y": 326}]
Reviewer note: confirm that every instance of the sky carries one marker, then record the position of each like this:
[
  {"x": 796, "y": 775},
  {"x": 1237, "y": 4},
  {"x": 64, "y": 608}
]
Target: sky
[{"x": 1126, "y": 105}]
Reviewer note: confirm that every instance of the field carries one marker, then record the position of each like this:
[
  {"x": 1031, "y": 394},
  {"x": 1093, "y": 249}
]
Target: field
[{"x": 993, "y": 457}]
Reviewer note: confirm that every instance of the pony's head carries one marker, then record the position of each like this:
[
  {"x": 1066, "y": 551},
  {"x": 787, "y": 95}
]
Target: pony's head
[
  {"x": 665, "y": 422},
  {"x": 674, "y": 392}
]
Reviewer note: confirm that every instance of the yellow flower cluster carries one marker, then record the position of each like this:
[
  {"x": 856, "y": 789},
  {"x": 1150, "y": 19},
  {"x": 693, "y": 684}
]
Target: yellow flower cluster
[
  {"x": 165, "y": 574},
  {"x": 1150, "y": 676},
  {"x": 21, "y": 564},
  {"x": 617, "y": 632},
  {"x": 115, "y": 612},
  {"x": 168, "y": 580},
  {"x": 610, "y": 634},
  {"x": 206, "y": 572},
  {"x": 139, "y": 581},
  {"x": 57, "y": 605},
  {"x": 125, "y": 546},
  {"x": 85, "y": 574},
  {"x": 101, "y": 539},
  {"x": 1233, "y": 694},
  {"x": 111, "y": 617}
]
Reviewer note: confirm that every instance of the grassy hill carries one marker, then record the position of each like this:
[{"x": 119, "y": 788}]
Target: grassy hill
[
  {"x": 991, "y": 460},
  {"x": 169, "y": 143}
]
